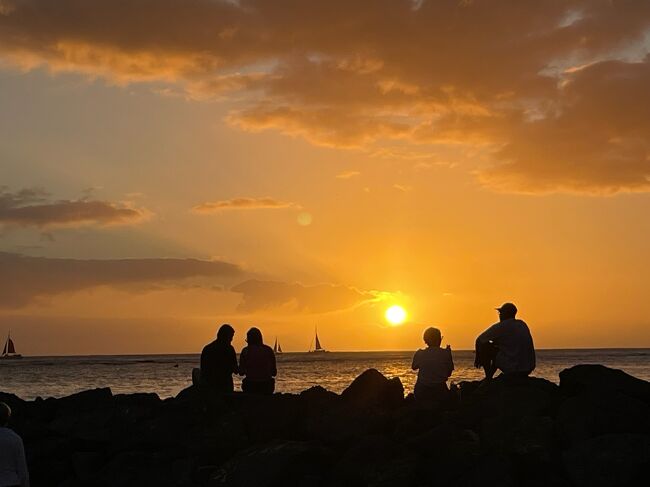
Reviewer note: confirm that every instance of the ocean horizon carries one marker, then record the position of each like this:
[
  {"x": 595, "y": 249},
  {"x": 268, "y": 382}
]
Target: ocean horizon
[{"x": 168, "y": 374}]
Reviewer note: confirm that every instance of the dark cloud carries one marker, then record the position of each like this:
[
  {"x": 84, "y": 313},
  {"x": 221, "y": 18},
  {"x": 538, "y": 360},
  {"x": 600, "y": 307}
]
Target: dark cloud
[
  {"x": 25, "y": 279},
  {"x": 523, "y": 81},
  {"x": 32, "y": 208},
  {"x": 242, "y": 204},
  {"x": 321, "y": 298},
  {"x": 599, "y": 141}
]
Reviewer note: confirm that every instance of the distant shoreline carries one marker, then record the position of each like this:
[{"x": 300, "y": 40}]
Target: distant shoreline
[{"x": 184, "y": 354}]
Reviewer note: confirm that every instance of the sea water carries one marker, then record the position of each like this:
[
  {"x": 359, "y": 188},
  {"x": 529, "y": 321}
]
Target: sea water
[{"x": 167, "y": 375}]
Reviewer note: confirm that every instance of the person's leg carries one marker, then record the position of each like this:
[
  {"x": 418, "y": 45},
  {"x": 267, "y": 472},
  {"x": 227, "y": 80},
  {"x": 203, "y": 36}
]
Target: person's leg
[{"x": 486, "y": 354}]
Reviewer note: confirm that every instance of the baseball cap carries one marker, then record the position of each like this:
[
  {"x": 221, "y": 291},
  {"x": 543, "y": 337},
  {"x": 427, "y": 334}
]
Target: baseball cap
[{"x": 507, "y": 307}]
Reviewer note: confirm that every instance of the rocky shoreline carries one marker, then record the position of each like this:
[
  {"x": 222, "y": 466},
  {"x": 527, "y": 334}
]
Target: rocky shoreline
[{"x": 591, "y": 430}]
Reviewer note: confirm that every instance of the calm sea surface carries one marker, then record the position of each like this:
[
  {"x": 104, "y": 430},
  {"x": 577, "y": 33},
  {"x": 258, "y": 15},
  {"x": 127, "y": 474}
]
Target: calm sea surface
[{"x": 169, "y": 374}]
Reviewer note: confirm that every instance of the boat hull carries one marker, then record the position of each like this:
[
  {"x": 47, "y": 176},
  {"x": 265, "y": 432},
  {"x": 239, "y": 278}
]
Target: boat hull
[{"x": 11, "y": 357}]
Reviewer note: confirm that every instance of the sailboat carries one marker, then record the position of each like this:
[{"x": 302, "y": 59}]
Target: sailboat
[
  {"x": 317, "y": 346},
  {"x": 277, "y": 348},
  {"x": 9, "y": 352}
]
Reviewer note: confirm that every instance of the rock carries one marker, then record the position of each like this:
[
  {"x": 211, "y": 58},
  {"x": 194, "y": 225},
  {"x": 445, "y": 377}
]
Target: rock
[
  {"x": 372, "y": 389},
  {"x": 86, "y": 464},
  {"x": 136, "y": 469},
  {"x": 136, "y": 407},
  {"x": 592, "y": 414},
  {"x": 318, "y": 396},
  {"x": 443, "y": 453},
  {"x": 277, "y": 464},
  {"x": 531, "y": 396},
  {"x": 85, "y": 401},
  {"x": 528, "y": 433},
  {"x": 609, "y": 461},
  {"x": 603, "y": 380},
  {"x": 525, "y": 436},
  {"x": 375, "y": 460},
  {"x": 14, "y": 402}
]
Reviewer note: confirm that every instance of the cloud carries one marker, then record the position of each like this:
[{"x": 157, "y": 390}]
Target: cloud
[
  {"x": 26, "y": 279},
  {"x": 321, "y": 298},
  {"x": 403, "y": 188},
  {"x": 32, "y": 208},
  {"x": 242, "y": 204},
  {"x": 348, "y": 174},
  {"x": 521, "y": 81}
]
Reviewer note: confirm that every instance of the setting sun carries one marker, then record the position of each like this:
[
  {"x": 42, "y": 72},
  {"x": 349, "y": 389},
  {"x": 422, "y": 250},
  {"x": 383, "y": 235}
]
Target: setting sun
[{"x": 396, "y": 315}]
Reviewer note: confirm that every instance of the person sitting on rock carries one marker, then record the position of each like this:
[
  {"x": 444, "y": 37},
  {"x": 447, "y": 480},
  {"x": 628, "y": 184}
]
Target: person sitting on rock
[
  {"x": 434, "y": 366},
  {"x": 506, "y": 345},
  {"x": 219, "y": 361},
  {"x": 13, "y": 466},
  {"x": 257, "y": 364}
]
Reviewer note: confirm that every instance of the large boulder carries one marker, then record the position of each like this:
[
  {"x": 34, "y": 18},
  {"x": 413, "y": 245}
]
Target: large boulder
[
  {"x": 372, "y": 389},
  {"x": 603, "y": 380},
  {"x": 499, "y": 397},
  {"x": 591, "y": 414},
  {"x": 318, "y": 397},
  {"x": 609, "y": 461}
]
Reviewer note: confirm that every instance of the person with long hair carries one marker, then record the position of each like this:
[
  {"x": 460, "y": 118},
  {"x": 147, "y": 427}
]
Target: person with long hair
[{"x": 257, "y": 365}]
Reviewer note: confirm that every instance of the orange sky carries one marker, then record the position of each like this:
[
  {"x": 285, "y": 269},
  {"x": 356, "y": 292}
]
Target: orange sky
[{"x": 289, "y": 164}]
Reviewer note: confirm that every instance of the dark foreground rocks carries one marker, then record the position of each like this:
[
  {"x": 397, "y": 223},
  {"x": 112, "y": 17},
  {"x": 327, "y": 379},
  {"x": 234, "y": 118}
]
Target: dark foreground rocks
[{"x": 592, "y": 430}]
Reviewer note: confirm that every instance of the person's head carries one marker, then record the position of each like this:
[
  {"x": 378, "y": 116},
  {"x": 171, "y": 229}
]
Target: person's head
[
  {"x": 432, "y": 337},
  {"x": 225, "y": 333},
  {"x": 5, "y": 414},
  {"x": 507, "y": 311},
  {"x": 254, "y": 337}
]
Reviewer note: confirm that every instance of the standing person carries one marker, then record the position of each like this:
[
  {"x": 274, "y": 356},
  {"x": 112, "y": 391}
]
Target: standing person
[
  {"x": 13, "y": 466},
  {"x": 434, "y": 366},
  {"x": 257, "y": 363},
  {"x": 506, "y": 345},
  {"x": 219, "y": 361}
]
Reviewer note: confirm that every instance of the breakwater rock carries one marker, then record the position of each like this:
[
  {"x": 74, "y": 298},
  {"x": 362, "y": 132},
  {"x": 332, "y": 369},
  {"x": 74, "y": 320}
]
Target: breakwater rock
[{"x": 591, "y": 430}]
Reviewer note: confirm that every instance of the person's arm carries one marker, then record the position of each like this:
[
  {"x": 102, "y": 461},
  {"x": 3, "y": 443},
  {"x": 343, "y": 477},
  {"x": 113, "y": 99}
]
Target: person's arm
[
  {"x": 416, "y": 363},
  {"x": 274, "y": 366},
  {"x": 243, "y": 362},
  {"x": 492, "y": 333},
  {"x": 233, "y": 361},
  {"x": 21, "y": 464},
  {"x": 451, "y": 361}
]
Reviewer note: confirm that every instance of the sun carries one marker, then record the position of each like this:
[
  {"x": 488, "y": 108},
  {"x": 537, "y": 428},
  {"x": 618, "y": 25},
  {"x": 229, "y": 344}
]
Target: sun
[{"x": 395, "y": 315}]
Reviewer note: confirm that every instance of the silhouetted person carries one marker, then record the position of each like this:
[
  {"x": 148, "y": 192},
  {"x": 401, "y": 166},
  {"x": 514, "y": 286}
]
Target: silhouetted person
[
  {"x": 434, "y": 366},
  {"x": 257, "y": 363},
  {"x": 13, "y": 466},
  {"x": 219, "y": 361},
  {"x": 506, "y": 345}
]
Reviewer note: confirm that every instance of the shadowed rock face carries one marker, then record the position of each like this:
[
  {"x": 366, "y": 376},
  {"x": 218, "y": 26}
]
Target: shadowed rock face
[{"x": 592, "y": 430}]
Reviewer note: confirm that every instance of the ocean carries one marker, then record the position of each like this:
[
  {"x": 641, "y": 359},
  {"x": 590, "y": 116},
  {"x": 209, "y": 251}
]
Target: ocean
[{"x": 167, "y": 375}]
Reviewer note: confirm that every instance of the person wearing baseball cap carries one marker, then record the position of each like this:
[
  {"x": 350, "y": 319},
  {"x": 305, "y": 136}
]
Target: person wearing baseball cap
[{"x": 506, "y": 346}]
